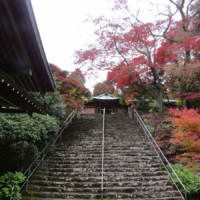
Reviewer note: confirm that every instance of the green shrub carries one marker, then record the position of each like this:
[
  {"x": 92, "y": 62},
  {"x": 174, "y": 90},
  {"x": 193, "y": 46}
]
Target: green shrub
[
  {"x": 154, "y": 107},
  {"x": 189, "y": 179},
  {"x": 53, "y": 102},
  {"x": 7, "y": 182},
  {"x": 22, "y": 137}
]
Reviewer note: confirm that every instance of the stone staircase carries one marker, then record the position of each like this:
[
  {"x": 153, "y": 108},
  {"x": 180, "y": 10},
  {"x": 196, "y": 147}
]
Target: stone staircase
[{"x": 73, "y": 170}]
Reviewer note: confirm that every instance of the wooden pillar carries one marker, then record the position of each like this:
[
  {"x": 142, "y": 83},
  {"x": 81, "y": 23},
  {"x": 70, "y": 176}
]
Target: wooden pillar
[
  {"x": 116, "y": 110},
  {"x": 96, "y": 110}
]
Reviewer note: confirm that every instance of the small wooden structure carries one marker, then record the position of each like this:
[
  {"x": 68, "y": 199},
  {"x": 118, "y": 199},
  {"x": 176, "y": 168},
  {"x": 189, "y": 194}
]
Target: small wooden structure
[
  {"x": 107, "y": 101},
  {"x": 23, "y": 63}
]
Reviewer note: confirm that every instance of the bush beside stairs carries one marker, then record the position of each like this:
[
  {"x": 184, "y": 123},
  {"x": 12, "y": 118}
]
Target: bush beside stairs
[{"x": 73, "y": 170}]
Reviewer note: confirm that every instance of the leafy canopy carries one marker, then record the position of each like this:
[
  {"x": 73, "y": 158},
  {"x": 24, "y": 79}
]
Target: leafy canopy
[
  {"x": 103, "y": 87},
  {"x": 71, "y": 88}
]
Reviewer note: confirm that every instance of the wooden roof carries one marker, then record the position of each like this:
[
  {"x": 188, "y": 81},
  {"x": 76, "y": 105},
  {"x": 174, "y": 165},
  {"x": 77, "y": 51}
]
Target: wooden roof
[
  {"x": 23, "y": 62},
  {"x": 106, "y": 96}
]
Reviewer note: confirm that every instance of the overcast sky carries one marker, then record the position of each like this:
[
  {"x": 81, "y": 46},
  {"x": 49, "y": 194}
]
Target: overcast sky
[{"x": 62, "y": 30}]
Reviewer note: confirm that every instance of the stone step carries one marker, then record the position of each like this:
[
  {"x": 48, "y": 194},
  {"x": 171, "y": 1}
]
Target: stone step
[
  {"x": 136, "y": 160},
  {"x": 98, "y": 144},
  {"x": 92, "y": 168},
  {"x": 87, "y": 138},
  {"x": 86, "y": 157},
  {"x": 132, "y": 169},
  {"x": 109, "y": 152},
  {"x": 163, "y": 198},
  {"x": 92, "y": 174},
  {"x": 141, "y": 166},
  {"x": 113, "y": 195},
  {"x": 106, "y": 155},
  {"x": 107, "y": 178},
  {"x": 93, "y": 148},
  {"x": 92, "y": 188},
  {"x": 96, "y": 183}
]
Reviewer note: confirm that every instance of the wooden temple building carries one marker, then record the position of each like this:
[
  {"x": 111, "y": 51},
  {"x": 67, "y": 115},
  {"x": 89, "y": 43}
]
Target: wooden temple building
[
  {"x": 23, "y": 63},
  {"x": 112, "y": 106},
  {"x": 107, "y": 101}
]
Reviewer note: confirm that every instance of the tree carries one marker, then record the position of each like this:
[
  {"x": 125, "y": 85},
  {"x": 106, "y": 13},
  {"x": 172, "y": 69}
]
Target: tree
[
  {"x": 73, "y": 92},
  {"x": 184, "y": 82},
  {"x": 181, "y": 72},
  {"x": 78, "y": 75},
  {"x": 103, "y": 87},
  {"x": 181, "y": 40},
  {"x": 134, "y": 48}
]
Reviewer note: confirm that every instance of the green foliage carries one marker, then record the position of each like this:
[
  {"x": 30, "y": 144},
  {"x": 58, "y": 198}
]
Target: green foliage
[
  {"x": 189, "y": 179},
  {"x": 53, "y": 102},
  {"x": 179, "y": 103},
  {"x": 152, "y": 130},
  {"x": 7, "y": 182},
  {"x": 122, "y": 98},
  {"x": 142, "y": 103},
  {"x": 167, "y": 121},
  {"x": 78, "y": 75},
  {"x": 22, "y": 137},
  {"x": 154, "y": 107}
]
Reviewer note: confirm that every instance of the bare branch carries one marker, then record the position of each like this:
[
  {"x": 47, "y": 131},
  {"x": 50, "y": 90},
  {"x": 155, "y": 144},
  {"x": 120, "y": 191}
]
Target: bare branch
[
  {"x": 120, "y": 52},
  {"x": 188, "y": 6}
]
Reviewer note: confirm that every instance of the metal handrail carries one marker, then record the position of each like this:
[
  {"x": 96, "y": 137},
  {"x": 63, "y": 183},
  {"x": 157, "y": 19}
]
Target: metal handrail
[
  {"x": 44, "y": 152},
  {"x": 102, "y": 153},
  {"x": 159, "y": 153},
  {"x": 129, "y": 112}
]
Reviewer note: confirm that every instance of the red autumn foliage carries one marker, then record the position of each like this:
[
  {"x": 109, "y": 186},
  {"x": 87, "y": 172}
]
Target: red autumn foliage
[
  {"x": 138, "y": 53},
  {"x": 103, "y": 87},
  {"x": 187, "y": 133},
  {"x": 70, "y": 88},
  {"x": 190, "y": 95}
]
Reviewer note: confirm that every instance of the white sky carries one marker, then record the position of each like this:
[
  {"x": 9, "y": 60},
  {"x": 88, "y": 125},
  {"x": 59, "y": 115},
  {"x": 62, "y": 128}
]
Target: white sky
[{"x": 62, "y": 30}]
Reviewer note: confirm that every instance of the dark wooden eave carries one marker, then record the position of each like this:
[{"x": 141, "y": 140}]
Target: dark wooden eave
[
  {"x": 22, "y": 56},
  {"x": 99, "y": 101},
  {"x": 14, "y": 99}
]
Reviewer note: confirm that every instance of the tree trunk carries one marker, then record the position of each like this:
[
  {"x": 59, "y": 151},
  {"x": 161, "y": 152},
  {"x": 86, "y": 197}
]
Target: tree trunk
[
  {"x": 160, "y": 100},
  {"x": 188, "y": 104}
]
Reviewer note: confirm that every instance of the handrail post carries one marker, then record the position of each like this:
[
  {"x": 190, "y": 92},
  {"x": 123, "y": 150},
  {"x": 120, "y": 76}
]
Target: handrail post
[
  {"x": 27, "y": 179},
  {"x": 11, "y": 193},
  {"x": 43, "y": 155},
  {"x": 130, "y": 113},
  {"x": 102, "y": 154}
]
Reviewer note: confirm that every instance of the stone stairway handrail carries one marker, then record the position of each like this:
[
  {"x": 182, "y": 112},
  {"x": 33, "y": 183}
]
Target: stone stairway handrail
[
  {"x": 44, "y": 152},
  {"x": 129, "y": 112},
  {"x": 155, "y": 145},
  {"x": 102, "y": 153}
]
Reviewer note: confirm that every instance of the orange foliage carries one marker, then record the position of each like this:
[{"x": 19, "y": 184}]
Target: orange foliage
[{"x": 186, "y": 133}]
